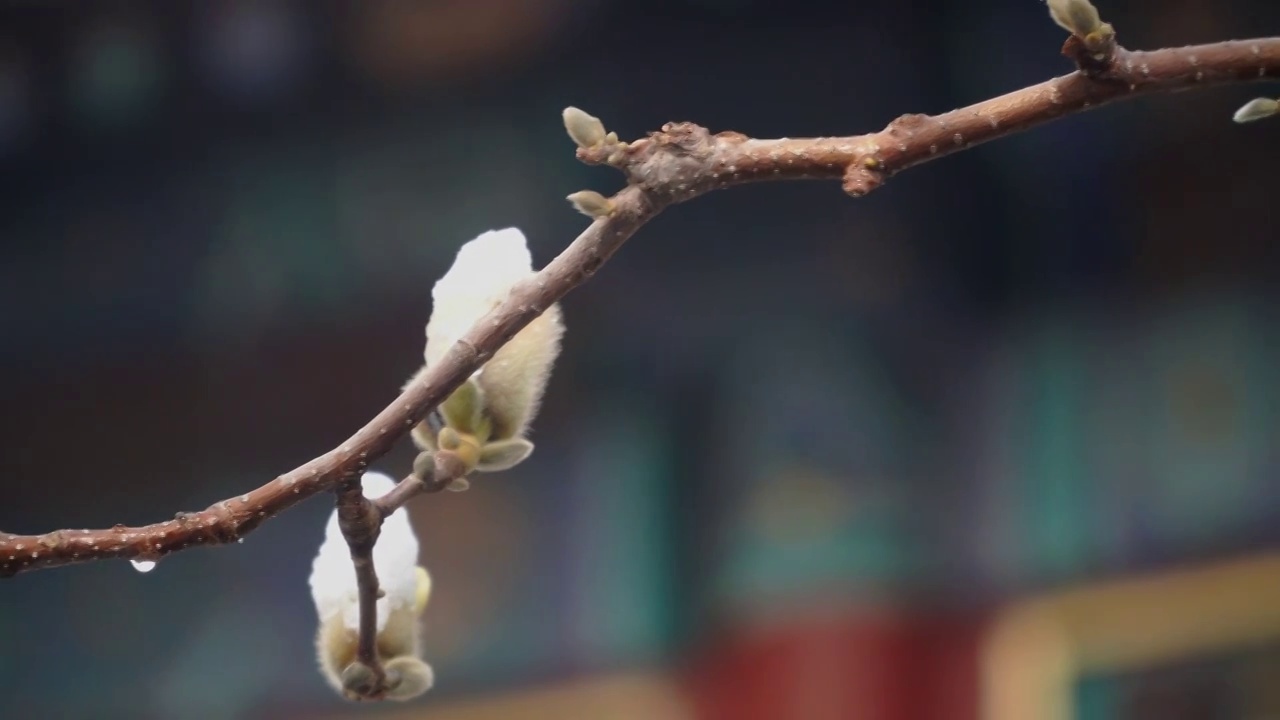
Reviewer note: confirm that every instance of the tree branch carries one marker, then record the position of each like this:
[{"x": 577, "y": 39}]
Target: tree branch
[
  {"x": 233, "y": 518},
  {"x": 684, "y": 160},
  {"x": 680, "y": 162}
]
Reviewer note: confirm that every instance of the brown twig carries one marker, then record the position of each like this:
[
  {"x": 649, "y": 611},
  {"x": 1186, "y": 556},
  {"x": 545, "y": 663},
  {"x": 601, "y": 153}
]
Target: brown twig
[
  {"x": 684, "y": 160},
  {"x": 678, "y": 163},
  {"x": 361, "y": 521}
]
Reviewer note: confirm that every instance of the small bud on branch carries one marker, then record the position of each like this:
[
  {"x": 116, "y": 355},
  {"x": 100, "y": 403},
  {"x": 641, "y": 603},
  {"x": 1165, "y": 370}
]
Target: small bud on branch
[
  {"x": 584, "y": 129},
  {"x": 1078, "y": 17},
  {"x": 590, "y": 203},
  {"x": 1257, "y": 109},
  {"x": 1081, "y": 19}
]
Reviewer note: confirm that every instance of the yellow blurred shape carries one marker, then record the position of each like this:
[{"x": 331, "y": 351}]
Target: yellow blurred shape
[
  {"x": 1039, "y": 647},
  {"x": 616, "y": 697}
]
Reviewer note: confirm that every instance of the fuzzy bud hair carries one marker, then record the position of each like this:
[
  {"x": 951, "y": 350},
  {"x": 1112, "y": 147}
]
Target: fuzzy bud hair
[
  {"x": 509, "y": 387},
  {"x": 405, "y": 587}
]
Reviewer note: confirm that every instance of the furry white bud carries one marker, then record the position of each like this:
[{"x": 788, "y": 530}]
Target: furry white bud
[
  {"x": 1257, "y": 109},
  {"x": 502, "y": 397},
  {"x": 406, "y": 587}
]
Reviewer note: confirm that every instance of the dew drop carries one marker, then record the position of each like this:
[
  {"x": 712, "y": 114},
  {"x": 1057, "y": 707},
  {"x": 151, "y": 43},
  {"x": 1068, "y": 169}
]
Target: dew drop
[{"x": 143, "y": 566}]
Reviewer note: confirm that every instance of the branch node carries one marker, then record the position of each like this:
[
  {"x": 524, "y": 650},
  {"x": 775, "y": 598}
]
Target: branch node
[
  {"x": 1078, "y": 17},
  {"x": 1092, "y": 45},
  {"x": 862, "y": 178},
  {"x": 1095, "y": 58},
  {"x": 908, "y": 124}
]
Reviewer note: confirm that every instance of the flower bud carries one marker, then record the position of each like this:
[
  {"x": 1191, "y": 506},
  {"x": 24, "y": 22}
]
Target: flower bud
[
  {"x": 406, "y": 587},
  {"x": 1257, "y": 109},
  {"x": 1078, "y": 17},
  {"x": 500, "y": 399},
  {"x": 590, "y": 203},
  {"x": 409, "y": 677},
  {"x": 584, "y": 129}
]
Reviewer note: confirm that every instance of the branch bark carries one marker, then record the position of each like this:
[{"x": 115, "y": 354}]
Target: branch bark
[
  {"x": 684, "y": 160},
  {"x": 676, "y": 164},
  {"x": 361, "y": 521}
]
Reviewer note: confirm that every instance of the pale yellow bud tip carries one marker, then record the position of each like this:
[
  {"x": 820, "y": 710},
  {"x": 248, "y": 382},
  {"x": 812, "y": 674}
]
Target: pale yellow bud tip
[
  {"x": 408, "y": 677},
  {"x": 590, "y": 203},
  {"x": 1078, "y": 17},
  {"x": 584, "y": 129},
  {"x": 1257, "y": 109}
]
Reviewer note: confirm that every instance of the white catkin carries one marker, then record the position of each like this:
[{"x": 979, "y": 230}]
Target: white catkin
[
  {"x": 405, "y": 586},
  {"x": 481, "y": 278},
  {"x": 395, "y": 558}
]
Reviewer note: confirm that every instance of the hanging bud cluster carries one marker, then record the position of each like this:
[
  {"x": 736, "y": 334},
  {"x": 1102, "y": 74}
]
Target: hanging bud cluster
[{"x": 406, "y": 587}]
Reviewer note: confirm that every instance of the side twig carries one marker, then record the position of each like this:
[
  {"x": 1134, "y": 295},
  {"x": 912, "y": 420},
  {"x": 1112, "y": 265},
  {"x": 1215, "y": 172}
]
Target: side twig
[
  {"x": 361, "y": 521},
  {"x": 678, "y": 163}
]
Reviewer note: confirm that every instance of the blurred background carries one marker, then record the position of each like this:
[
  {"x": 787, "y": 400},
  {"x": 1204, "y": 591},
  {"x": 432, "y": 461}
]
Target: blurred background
[{"x": 803, "y": 456}]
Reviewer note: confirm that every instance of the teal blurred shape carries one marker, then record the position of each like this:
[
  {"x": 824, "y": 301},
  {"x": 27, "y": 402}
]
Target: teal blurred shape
[
  {"x": 1097, "y": 697},
  {"x": 117, "y": 74},
  {"x": 622, "y": 604},
  {"x": 813, "y": 479}
]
